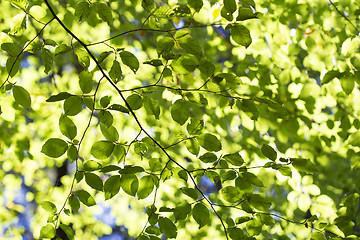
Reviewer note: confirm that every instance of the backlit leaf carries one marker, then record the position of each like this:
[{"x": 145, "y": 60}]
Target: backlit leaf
[
  {"x": 130, "y": 60},
  {"x": 112, "y": 186},
  {"x": 85, "y": 198},
  {"x": 54, "y": 147},
  {"x": 102, "y": 149},
  {"x": 180, "y": 111},
  {"x": 167, "y": 227},
  {"x": 209, "y": 142},
  {"x": 201, "y": 214},
  {"x": 21, "y": 96}
]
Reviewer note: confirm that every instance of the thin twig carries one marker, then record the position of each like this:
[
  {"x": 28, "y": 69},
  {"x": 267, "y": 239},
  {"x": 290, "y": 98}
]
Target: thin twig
[{"x": 345, "y": 17}]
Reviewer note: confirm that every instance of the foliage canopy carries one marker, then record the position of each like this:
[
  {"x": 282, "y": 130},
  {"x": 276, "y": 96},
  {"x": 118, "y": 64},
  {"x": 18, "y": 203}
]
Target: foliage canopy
[{"x": 188, "y": 119}]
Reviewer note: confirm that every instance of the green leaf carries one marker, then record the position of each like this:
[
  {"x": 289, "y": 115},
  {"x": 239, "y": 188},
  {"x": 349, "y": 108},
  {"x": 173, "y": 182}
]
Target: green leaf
[
  {"x": 118, "y": 107},
  {"x": 347, "y": 82},
  {"x": 85, "y": 81},
  {"x": 74, "y": 203},
  {"x": 135, "y": 101},
  {"x": 189, "y": 192},
  {"x": 85, "y": 198},
  {"x": 164, "y": 46},
  {"x": 234, "y": 158},
  {"x": 68, "y": 231},
  {"x": 83, "y": 57},
  {"x": 335, "y": 229},
  {"x": 193, "y": 146},
  {"x": 48, "y": 206},
  {"x": 206, "y": 67},
  {"x": 151, "y": 106},
  {"x": 167, "y": 227},
  {"x": 269, "y": 152},
  {"x": 112, "y": 186},
  {"x": 208, "y": 157},
  {"x": 105, "y": 101},
  {"x": 201, "y": 214},
  {"x": 304, "y": 165},
  {"x": 249, "y": 107},
  {"x": 317, "y": 236},
  {"x": 195, "y": 4},
  {"x": 180, "y": 111},
  {"x": 106, "y": 118},
  {"x": 21, "y": 96},
  {"x": 47, "y": 231},
  {"x": 110, "y": 133},
  {"x": 129, "y": 183},
  {"x": 354, "y": 139},
  {"x": 130, "y": 60},
  {"x": 148, "y": 5},
  {"x": 254, "y": 227},
  {"x": 104, "y": 12},
  {"x": 72, "y": 153},
  {"x": 195, "y": 126},
  {"x": 129, "y": 169},
  {"x": 67, "y": 127},
  {"x": 242, "y": 219},
  {"x": 140, "y": 148},
  {"x": 37, "y": 12},
  {"x": 12, "y": 66},
  {"x": 209, "y": 142},
  {"x": 230, "y": 5},
  {"x": 146, "y": 186},
  {"x": 48, "y": 59},
  {"x": 252, "y": 179},
  {"x": 18, "y": 24},
  {"x": 330, "y": 75},
  {"x": 102, "y": 149},
  {"x": 119, "y": 153},
  {"x": 259, "y": 202},
  {"x": 182, "y": 210},
  {"x": 246, "y": 13},
  {"x": 22, "y": 4},
  {"x": 185, "y": 64},
  {"x": 115, "y": 72},
  {"x": 94, "y": 181},
  {"x": 190, "y": 45},
  {"x": 231, "y": 194},
  {"x": 54, "y": 147},
  {"x": 236, "y": 233},
  {"x": 62, "y": 49},
  {"x": 73, "y": 105},
  {"x": 59, "y": 97},
  {"x": 91, "y": 165},
  {"x": 82, "y": 10},
  {"x": 241, "y": 35}
]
